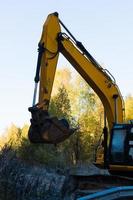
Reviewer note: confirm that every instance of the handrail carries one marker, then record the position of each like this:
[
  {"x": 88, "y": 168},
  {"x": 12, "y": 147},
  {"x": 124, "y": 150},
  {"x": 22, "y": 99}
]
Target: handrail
[{"x": 110, "y": 194}]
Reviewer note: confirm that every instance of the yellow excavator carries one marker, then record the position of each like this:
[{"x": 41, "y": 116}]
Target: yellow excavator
[{"x": 116, "y": 153}]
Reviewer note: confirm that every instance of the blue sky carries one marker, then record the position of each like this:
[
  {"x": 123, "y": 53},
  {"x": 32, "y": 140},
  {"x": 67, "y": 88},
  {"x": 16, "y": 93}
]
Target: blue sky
[{"x": 104, "y": 27}]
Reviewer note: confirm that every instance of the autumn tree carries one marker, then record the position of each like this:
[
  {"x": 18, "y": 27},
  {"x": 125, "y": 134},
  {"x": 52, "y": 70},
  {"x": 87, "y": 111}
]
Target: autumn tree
[
  {"x": 129, "y": 107},
  {"x": 87, "y": 110},
  {"x": 62, "y": 78},
  {"x": 74, "y": 100},
  {"x": 12, "y": 136}
]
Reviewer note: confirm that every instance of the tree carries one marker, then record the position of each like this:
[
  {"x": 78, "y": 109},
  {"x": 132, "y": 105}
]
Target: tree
[
  {"x": 60, "y": 107},
  {"x": 129, "y": 107},
  {"x": 87, "y": 109},
  {"x": 62, "y": 77},
  {"x": 60, "y": 104},
  {"x": 49, "y": 154},
  {"x": 74, "y": 100},
  {"x": 13, "y": 136}
]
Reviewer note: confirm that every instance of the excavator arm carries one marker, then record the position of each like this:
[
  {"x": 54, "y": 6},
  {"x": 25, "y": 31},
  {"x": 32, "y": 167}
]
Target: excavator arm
[
  {"x": 53, "y": 42},
  {"x": 46, "y": 129}
]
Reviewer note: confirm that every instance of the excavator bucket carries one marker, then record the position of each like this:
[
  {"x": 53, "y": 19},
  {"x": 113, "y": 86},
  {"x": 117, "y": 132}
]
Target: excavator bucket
[{"x": 46, "y": 129}]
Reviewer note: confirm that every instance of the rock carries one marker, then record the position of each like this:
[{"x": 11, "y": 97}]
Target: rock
[
  {"x": 21, "y": 181},
  {"x": 87, "y": 170}
]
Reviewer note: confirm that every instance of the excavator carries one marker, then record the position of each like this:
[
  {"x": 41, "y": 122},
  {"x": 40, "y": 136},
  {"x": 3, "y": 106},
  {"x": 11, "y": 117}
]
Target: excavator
[{"x": 116, "y": 151}]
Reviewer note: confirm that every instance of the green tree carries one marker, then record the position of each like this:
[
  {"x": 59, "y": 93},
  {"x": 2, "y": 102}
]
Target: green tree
[
  {"x": 60, "y": 104},
  {"x": 60, "y": 107},
  {"x": 49, "y": 154}
]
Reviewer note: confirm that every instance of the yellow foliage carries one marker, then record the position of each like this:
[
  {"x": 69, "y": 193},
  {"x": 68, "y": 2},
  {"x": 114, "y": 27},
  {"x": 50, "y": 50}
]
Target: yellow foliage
[
  {"x": 62, "y": 77},
  {"x": 129, "y": 107},
  {"x": 2, "y": 141},
  {"x": 24, "y": 131}
]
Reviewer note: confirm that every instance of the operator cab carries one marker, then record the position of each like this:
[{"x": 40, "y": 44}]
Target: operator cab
[{"x": 121, "y": 145}]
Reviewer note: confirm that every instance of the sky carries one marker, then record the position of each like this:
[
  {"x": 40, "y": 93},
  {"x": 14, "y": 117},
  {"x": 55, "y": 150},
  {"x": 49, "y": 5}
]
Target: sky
[{"x": 105, "y": 27}]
